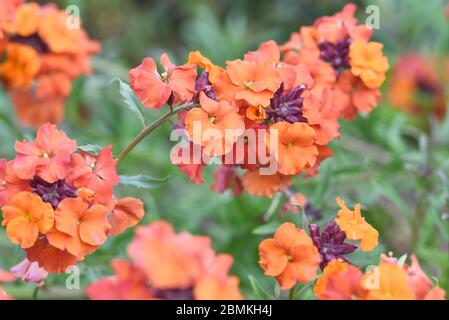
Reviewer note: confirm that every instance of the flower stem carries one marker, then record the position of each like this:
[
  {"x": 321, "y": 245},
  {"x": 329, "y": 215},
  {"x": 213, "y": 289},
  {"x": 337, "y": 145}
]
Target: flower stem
[{"x": 150, "y": 128}]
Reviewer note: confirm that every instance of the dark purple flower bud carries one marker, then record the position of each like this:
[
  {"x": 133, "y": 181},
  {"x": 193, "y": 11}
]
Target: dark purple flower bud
[
  {"x": 174, "y": 294},
  {"x": 33, "y": 41},
  {"x": 330, "y": 243},
  {"x": 202, "y": 84},
  {"x": 336, "y": 54},
  {"x": 52, "y": 193},
  {"x": 286, "y": 106},
  {"x": 312, "y": 213}
]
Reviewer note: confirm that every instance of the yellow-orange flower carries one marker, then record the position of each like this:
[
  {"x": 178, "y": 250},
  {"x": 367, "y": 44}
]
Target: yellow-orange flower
[
  {"x": 368, "y": 62},
  {"x": 195, "y": 57},
  {"x": 26, "y": 218},
  {"x": 355, "y": 227},
  {"x": 21, "y": 65},
  {"x": 387, "y": 281}
]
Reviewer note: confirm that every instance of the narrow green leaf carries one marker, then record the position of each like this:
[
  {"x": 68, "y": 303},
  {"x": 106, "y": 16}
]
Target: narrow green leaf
[
  {"x": 142, "y": 181},
  {"x": 130, "y": 99},
  {"x": 91, "y": 148},
  {"x": 266, "y": 229},
  {"x": 259, "y": 292}
]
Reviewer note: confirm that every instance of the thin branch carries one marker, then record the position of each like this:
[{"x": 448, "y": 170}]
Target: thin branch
[{"x": 150, "y": 128}]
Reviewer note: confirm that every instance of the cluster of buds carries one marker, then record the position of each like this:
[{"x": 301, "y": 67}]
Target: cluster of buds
[
  {"x": 58, "y": 203},
  {"x": 294, "y": 256},
  {"x": 170, "y": 266},
  {"x": 43, "y": 51},
  {"x": 272, "y": 113}
]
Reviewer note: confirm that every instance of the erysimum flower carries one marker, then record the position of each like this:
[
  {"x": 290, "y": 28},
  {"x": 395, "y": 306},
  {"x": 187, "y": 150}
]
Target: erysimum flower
[
  {"x": 252, "y": 82},
  {"x": 339, "y": 281},
  {"x": 356, "y": 227},
  {"x": 295, "y": 149},
  {"x": 154, "y": 89},
  {"x": 26, "y": 218},
  {"x": 192, "y": 270},
  {"x": 258, "y": 184},
  {"x": 214, "y": 71},
  {"x": 215, "y": 126},
  {"x": 387, "y": 281},
  {"x": 421, "y": 285},
  {"x": 48, "y": 156},
  {"x": 58, "y": 201},
  {"x": 368, "y": 62},
  {"x": 21, "y": 66},
  {"x": 290, "y": 256},
  {"x": 79, "y": 228}
]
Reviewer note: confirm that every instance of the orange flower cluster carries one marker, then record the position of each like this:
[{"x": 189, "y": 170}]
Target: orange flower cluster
[
  {"x": 417, "y": 85},
  {"x": 390, "y": 280},
  {"x": 167, "y": 265},
  {"x": 293, "y": 256},
  {"x": 278, "y": 104},
  {"x": 57, "y": 201},
  {"x": 44, "y": 50}
]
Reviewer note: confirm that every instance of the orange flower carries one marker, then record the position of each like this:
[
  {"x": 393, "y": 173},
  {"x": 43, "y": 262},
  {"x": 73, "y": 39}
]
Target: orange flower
[
  {"x": 98, "y": 174},
  {"x": 290, "y": 256},
  {"x": 154, "y": 90},
  {"x": 215, "y": 126},
  {"x": 368, "y": 62},
  {"x": 387, "y": 281},
  {"x": 179, "y": 269},
  {"x": 188, "y": 166},
  {"x": 54, "y": 32},
  {"x": 339, "y": 281},
  {"x": 256, "y": 113},
  {"x": 26, "y": 20},
  {"x": 79, "y": 229},
  {"x": 48, "y": 156},
  {"x": 21, "y": 66},
  {"x": 352, "y": 96},
  {"x": 127, "y": 213},
  {"x": 421, "y": 284},
  {"x": 50, "y": 258},
  {"x": 265, "y": 185},
  {"x": 321, "y": 114},
  {"x": 355, "y": 227},
  {"x": 216, "y": 284},
  {"x": 295, "y": 149},
  {"x": 10, "y": 183},
  {"x": 195, "y": 57},
  {"x": 250, "y": 81},
  {"x": 33, "y": 111},
  {"x": 26, "y": 218},
  {"x": 127, "y": 283}
]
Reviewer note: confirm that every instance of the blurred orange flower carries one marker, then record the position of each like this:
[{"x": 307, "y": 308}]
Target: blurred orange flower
[
  {"x": 21, "y": 67},
  {"x": 290, "y": 256},
  {"x": 355, "y": 227},
  {"x": 339, "y": 281},
  {"x": 387, "y": 281},
  {"x": 261, "y": 185},
  {"x": 26, "y": 217}
]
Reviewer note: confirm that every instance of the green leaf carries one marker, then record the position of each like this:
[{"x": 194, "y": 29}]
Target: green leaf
[
  {"x": 266, "y": 229},
  {"x": 130, "y": 99},
  {"x": 91, "y": 148},
  {"x": 259, "y": 292},
  {"x": 277, "y": 290},
  {"x": 142, "y": 181}
]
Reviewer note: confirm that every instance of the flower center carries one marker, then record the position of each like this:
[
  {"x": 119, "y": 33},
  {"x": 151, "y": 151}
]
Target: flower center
[{"x": 247, "y": 84}]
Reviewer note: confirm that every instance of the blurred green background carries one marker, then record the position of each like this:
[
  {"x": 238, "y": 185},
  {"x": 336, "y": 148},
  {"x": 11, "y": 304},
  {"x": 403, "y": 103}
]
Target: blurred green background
[{"x": 375, "y": 163}]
